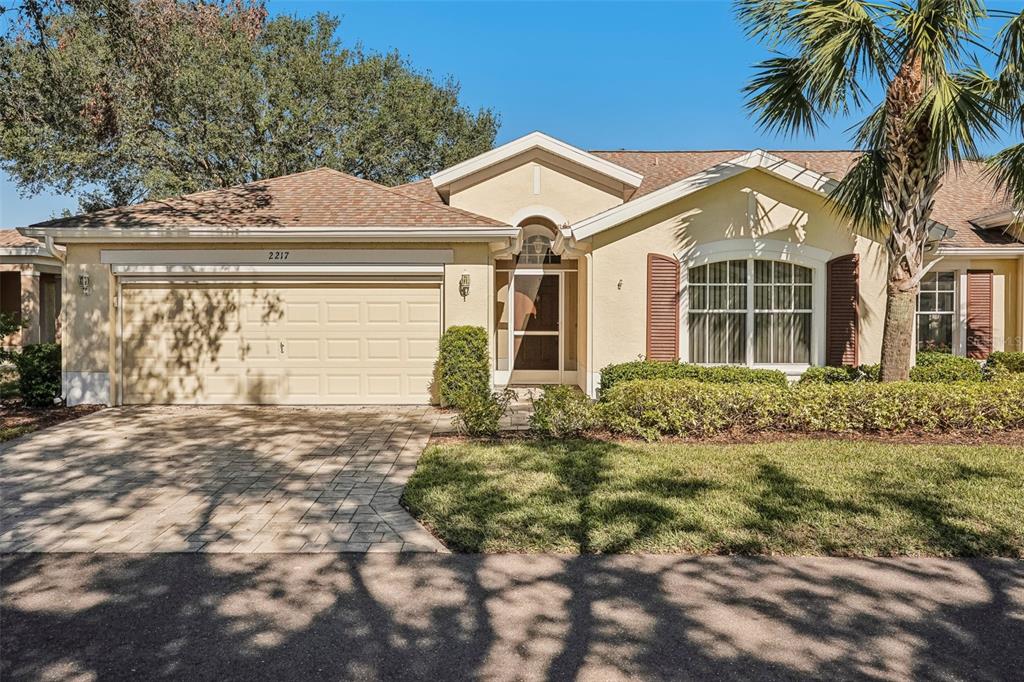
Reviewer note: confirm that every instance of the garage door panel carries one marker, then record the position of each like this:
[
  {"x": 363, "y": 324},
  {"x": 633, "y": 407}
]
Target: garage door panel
[{"x": 282, "y": 345}]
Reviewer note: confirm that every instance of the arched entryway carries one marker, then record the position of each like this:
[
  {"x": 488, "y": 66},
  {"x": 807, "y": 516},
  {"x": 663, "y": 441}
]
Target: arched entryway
[{"x": 537, "y": 303}]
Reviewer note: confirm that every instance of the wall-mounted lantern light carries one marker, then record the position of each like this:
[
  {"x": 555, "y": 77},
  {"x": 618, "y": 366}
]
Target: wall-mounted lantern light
[
  {"x": 620, "y": 285},
  {"x": 464, "y": 286},
  {"x": 84, "y": 283}
]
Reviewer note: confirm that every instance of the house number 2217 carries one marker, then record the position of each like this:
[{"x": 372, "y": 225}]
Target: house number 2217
[{"x": 277, "y": 255}]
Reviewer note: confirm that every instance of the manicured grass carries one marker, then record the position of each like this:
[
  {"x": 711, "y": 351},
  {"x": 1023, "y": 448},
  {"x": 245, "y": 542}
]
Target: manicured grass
[{"x": 805, "y": 497}]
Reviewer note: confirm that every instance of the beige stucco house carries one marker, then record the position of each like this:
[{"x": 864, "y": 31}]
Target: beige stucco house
[
  {"x": 30, "y": 274},
  {"x": 320, "y": 288}
]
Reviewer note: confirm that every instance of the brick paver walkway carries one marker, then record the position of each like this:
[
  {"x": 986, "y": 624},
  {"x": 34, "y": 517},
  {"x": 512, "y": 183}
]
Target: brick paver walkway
[{"x": 222, "y": 479}]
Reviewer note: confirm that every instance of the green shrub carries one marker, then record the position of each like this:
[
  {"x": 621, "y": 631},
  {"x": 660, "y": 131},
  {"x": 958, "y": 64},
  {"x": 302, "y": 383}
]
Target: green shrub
[
  {"x": 649, "y": 409},
  {"x": 1000, "y": 365},
  {"x": 463, "y": 365},
  {"x": 38, "y": 370},
  {"x": 562, "y": 412},
  {"x": 831, "y": 375},
  {"x": 652, "y": 369},
  {"x": 944, "y": 367},
  {"x": 480, "y": 413},
  {"x": 871, "y": 372}
]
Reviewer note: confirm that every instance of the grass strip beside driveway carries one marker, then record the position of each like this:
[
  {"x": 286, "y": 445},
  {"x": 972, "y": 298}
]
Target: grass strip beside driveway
[{"x": 800, "y": 497}]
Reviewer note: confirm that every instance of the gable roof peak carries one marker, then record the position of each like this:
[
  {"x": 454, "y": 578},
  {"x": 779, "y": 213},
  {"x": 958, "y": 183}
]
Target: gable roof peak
[{"x": 529, "y": 142}]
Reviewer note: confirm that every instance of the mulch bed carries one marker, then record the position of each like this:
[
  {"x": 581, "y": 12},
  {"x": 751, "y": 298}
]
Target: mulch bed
[{"x": 17, "y": 419}]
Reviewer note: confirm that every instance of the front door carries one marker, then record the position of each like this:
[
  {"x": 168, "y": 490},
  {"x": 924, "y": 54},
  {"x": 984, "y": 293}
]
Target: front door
[{"x": 537, "y": 322}]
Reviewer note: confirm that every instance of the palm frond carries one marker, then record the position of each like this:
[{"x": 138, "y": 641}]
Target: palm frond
[
  {"x": 960, "y": 112},
  {"x": 1007, "y": 170},
  {"x": 938, "y": 31},
  {"x": 1011, "y": 41},
  {"x": 870, "y": 134},
  {"x": 776, "y": 96},
  {"x": 858, "y": 196},
  {"x": 767, "y": 21}
]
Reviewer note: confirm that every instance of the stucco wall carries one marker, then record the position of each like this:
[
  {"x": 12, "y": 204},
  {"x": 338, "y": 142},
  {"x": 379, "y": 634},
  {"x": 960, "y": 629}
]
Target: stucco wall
[
  {"x": 1007, "y": 303},
  {"x": 753, "y": 204},
  {"x": 89, "y": 320},
  {"x": 506, "y": 190}
]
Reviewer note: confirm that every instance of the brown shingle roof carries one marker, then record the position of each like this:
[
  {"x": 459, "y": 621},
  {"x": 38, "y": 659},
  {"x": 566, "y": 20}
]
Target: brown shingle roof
[
  {"x": 13, "y": 238},
  {"x": 322, "y": 197}
]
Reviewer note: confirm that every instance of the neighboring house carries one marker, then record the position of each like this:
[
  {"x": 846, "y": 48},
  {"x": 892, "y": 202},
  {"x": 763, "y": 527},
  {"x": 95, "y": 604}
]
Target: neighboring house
[
  {"x": 322, "y": 288},
  {"x": 30, "y": 285}
]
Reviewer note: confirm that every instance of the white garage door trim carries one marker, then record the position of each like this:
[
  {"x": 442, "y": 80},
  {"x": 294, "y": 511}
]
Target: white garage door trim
[{"x": 340, "y": 280}]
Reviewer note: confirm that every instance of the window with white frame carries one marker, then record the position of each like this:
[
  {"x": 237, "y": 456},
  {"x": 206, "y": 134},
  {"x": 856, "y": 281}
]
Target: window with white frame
[
  {"x": 750, "y": 312},
  {"x": 936, "y": 308}
]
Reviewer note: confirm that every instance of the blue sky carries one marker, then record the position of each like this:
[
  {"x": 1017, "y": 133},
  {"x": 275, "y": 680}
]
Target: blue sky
[{"x": 607, "y": 75}]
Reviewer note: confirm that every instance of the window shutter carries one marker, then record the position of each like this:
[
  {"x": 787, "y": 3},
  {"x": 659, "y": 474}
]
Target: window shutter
[
  {"x": 979, "y": 313},
  {"x": 662, "y": 307},
  {"x": 843, "y": 311}
]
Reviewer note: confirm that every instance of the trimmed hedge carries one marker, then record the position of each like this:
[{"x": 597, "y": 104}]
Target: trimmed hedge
[
  {"x": 650, "y": 409},
  {"x": 944, "y": 367},
  {"x": 38, "y": 369},
  {"x": 1001, "y": 364},
  {"x": 652, "y": 369},
  {"x": 562, "y": 412},
  {"x": 463, "y": 365},
  {"x": 832, "y": 375}
]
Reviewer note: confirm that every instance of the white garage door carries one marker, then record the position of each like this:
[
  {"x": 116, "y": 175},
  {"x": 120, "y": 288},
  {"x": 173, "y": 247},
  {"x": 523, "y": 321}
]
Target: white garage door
[{"x": 300, "y": 345}]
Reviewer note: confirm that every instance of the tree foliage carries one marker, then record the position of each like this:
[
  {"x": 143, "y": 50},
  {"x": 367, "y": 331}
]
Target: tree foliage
[
  {"x": 120, "y": 101},
  {"x": 938, "y": 105}
]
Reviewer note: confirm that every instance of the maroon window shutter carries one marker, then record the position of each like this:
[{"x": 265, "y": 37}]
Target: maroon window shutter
[
  {"x": 979, "y": 313},
  {"x": 842, "y": 321},
  {"x": 662, "y": 307}
]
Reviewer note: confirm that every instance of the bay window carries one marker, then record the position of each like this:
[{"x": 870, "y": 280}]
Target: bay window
[
  {"x": 750, "y": 312},
  {"x": 936, "y": 308}
]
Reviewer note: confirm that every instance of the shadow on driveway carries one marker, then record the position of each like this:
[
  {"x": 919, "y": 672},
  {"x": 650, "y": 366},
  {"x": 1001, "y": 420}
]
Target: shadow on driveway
[{"x": 507, "y": 617}]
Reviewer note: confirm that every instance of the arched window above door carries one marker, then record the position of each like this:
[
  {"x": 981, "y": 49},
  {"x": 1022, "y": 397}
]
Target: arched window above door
[{"x": 538, "y": 238}]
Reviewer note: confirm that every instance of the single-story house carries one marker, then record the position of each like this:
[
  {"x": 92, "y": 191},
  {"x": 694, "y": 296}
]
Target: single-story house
[
  {"x": 321, "y": 288},
  {"x": 30, "y": 274}
]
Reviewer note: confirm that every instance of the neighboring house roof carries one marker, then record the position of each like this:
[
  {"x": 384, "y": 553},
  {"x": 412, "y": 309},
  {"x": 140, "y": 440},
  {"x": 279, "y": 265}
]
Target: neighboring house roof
[
  {"x": 966, "y": 194},
  {"x": 10, "y": 238},
  {"x": 315, "y": 198}
]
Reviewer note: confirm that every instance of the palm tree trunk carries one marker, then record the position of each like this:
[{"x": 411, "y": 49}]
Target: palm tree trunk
[
  {"x": 897, "y": 335},
  {"x": 908, "y": 198}
]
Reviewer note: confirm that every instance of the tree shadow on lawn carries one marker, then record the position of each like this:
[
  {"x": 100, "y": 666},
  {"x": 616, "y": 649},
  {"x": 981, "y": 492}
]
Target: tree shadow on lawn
[{"x": 552, "y": 496}]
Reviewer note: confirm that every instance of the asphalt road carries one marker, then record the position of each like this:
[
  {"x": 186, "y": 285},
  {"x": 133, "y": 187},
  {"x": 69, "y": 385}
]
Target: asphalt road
[{"x": 437, "y": 617}]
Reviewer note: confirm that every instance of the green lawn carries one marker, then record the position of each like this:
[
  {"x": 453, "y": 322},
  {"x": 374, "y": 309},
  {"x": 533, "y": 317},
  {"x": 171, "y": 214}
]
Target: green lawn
[{"x": 808, "y": 497}]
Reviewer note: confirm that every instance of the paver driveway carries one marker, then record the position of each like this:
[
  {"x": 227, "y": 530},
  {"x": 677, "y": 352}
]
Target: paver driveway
[{"x": 223, "y": 479}]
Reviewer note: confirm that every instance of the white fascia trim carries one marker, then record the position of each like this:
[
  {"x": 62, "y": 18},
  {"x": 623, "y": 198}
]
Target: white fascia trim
[
  {"x": 758, "y": 158},
  {"x": 22, "y": 251},
  {"x": 987, "y": 252},
  {"x": 328, "y": 257},
  {"x": 304, "y": 270},
  {"x": 268, "y": 234},
  {"x": 536, "y": 140}
]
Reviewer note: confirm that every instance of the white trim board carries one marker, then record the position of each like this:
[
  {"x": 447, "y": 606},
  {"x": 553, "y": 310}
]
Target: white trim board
[
  {"x": 272, "y": 269},
  {"x": 268, "y": 234},
  {"x": 536, "y": 140},
  {"x": 263, "y": 256}
]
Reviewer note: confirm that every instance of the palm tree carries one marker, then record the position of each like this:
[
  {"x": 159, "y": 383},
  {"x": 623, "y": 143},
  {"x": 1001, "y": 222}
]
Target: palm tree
[{"x": 938, "y": 105}]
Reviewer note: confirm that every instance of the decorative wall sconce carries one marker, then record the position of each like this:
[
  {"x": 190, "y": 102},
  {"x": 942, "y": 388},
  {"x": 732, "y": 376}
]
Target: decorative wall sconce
[
  {"x": 84, "y": 283},
  {"x": 620, "y": 285},
  {"x": 464, "y": 286}
]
